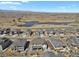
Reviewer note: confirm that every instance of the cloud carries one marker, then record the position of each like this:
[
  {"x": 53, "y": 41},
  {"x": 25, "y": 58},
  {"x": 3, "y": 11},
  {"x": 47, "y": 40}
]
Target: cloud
[
  {"x": 25, "y": 1},
  {"x": 74, "y": 5},
  {"x": 62, "y": 7},
  {"x": 9, "y": 2},
  {"x": 15, "y": 0},
  {"x": 13, "y": 7},
  {"x": 65, "y": 7},
  {"x": 68, "y": 7}
]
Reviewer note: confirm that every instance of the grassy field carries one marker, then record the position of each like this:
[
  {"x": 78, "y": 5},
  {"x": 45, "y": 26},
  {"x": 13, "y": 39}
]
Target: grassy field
[{"x": 13, "y": 18}]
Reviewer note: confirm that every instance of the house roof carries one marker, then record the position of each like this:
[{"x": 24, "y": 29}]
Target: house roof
[
  {"x": 19, "y": 42},
  {"x": 74, "y": 40},
  {"x": 57, "y": 43},
  {"x": 5, "y": 42},
  {"x": 38, "y": 41}
]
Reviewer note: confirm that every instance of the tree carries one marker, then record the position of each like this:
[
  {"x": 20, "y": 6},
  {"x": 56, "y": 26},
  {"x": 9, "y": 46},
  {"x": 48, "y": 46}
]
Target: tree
[{"x": 19, "y": 19}]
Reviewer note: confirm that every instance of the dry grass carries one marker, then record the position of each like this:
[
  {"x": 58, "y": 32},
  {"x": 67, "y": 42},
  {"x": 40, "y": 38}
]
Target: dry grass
[{"x": 6, "y": 18}]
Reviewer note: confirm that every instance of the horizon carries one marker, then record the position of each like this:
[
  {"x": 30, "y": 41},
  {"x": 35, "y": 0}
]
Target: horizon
[{"x": 41, "y": 6}]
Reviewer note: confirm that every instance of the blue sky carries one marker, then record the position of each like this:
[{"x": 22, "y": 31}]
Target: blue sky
[{"x": 41, "y": 6}]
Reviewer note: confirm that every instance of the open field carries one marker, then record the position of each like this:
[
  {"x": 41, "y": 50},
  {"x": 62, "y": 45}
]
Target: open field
[{"x": 14, "y": 18}]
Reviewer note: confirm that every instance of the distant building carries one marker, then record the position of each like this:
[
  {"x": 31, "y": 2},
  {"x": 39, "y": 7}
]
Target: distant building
[
  {"x": 1, "y": 31},
  {"x": 13, "y": 31},
  {"x": 36, "y": 33},
  {"x": 19, "y": 32},
  {"x": 28, "y": 32},
  {"x": 41, "y": 32},
  {"x": 7, "y": 31},
  {"x": 49, "y": 32},
  {"x": 61, "y": 32}
]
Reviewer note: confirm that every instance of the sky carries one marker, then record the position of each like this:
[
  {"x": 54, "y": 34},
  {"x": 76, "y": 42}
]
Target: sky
[{"x": 41, "y": 6}]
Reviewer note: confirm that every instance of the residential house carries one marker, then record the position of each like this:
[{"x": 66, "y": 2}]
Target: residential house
[
  {"x": 20, "y": 45},
  {"x": 74, "y": 41},
  {"x": 56, "y": 43},
  {"x": 49, "y": 32},
  {"x": 5, "y": 43},
  {"x": 38, "y": 44},
  {"x": 41, "y": 32}
]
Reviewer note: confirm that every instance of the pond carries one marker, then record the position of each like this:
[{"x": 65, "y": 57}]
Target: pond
[{"x": 32, "y": 23}]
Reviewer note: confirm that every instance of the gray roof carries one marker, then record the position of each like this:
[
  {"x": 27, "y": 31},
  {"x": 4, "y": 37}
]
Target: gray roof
[
  {"x": 38, "y": 41},
  {"x": 5, "y": 42},
  {"x": 20, "y": 42},
  {"x": 74, "y": 41},
  {"x": 57, "y": 43}
]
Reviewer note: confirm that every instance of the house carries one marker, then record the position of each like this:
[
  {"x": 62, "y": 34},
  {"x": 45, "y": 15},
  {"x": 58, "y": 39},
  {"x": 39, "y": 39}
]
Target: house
[
  {"x": 13, "y": 31},
  {"x": 74, "y": 41},
  {"x": 38, "y": 44},
  {"x": 20, "y": 45},
  {"x": 61, "y": 32},
  {"x": 49, "y": 32},
  {"x": 1, "y": 32},
  {"x": 41, "y": 32},
  {"x": 5, "y": 43},
  {"x": 56, "y": 43},
  {"x": 36, "y": 33},
  {"x": 7, "y": 31},
  {"x": 28, "y": 32},
  {"x": 19, "y": 31}
]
